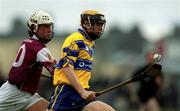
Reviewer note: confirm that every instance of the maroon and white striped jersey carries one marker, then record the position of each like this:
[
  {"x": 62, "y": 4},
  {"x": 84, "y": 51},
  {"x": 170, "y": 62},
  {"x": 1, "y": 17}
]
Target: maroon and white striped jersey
[{"x": 26, "y": 70}]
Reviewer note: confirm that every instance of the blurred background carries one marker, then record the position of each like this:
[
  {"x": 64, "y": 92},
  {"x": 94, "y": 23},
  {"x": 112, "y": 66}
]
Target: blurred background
[{"x": 134, "y": 29}]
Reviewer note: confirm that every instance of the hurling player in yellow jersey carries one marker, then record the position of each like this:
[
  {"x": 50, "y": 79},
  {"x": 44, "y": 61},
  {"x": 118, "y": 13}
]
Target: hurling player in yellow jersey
[{"x": 73, "y": 71}]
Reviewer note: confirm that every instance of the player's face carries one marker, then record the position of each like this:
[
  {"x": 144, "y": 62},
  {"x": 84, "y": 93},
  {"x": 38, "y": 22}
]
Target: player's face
[
  {"x": 98, "y": 28},
  {"x": 45, "y": 31}
]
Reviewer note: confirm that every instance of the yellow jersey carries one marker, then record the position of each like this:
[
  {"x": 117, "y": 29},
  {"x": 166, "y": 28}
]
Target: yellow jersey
[{"x": 76, "y": 52}]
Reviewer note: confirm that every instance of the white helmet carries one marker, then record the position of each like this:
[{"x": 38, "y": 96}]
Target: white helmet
[{"x": 37, "y": 18}]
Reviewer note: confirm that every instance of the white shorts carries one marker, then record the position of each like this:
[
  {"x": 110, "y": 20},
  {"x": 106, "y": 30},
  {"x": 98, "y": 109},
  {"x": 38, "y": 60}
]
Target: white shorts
[{"x": 13, "y": 99}]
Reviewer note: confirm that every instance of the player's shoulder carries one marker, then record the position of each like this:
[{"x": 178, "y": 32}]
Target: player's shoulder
[
  {"x": 76, "y": 36},
  {"x": 73, "y": 38},
  {"x": 33, "y": 44}
]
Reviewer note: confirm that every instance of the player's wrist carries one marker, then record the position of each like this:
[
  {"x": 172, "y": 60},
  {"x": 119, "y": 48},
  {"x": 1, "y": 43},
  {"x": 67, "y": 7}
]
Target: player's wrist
[{"x": 82, "y": 91}]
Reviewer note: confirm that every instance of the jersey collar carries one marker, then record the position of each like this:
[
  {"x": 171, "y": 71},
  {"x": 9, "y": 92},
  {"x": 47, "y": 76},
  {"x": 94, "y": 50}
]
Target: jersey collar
[
  {"x": 35, "y": 37},
  {"x": 83, "y": 32}
]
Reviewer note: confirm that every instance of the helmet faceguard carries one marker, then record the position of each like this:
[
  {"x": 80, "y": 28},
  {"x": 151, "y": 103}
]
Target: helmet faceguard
[
  {"x": 39, "y": 18},
  {"x": 89, "y": 19}
]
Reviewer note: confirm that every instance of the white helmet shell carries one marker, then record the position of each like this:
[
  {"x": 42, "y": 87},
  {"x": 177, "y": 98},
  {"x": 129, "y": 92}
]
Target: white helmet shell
[{"x": 37, "y": 18}]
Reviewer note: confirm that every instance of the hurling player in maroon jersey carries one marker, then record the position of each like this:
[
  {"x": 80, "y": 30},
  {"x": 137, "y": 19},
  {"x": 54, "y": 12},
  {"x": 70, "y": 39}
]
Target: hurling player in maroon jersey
[{"x": 19, "y": 92}]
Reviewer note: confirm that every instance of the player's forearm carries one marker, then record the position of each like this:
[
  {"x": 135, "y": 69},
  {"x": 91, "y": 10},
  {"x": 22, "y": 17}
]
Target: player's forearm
[{"x": 73, "y": 79}]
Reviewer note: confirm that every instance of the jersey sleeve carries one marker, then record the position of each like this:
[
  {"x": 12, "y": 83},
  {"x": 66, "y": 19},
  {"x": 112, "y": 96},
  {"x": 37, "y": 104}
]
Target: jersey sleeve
[
  {"x": 69, "y": 55},
  {"x": 45, "y": 58}
]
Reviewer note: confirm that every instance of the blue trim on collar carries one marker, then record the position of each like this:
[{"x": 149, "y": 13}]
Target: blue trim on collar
[{"x": 83, "y": 33}]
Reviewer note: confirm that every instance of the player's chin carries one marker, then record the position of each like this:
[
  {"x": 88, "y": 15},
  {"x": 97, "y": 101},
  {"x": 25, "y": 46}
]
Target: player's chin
[
  {"x": 98, "y": 33},
  {"x": 49, "y": 37}
]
